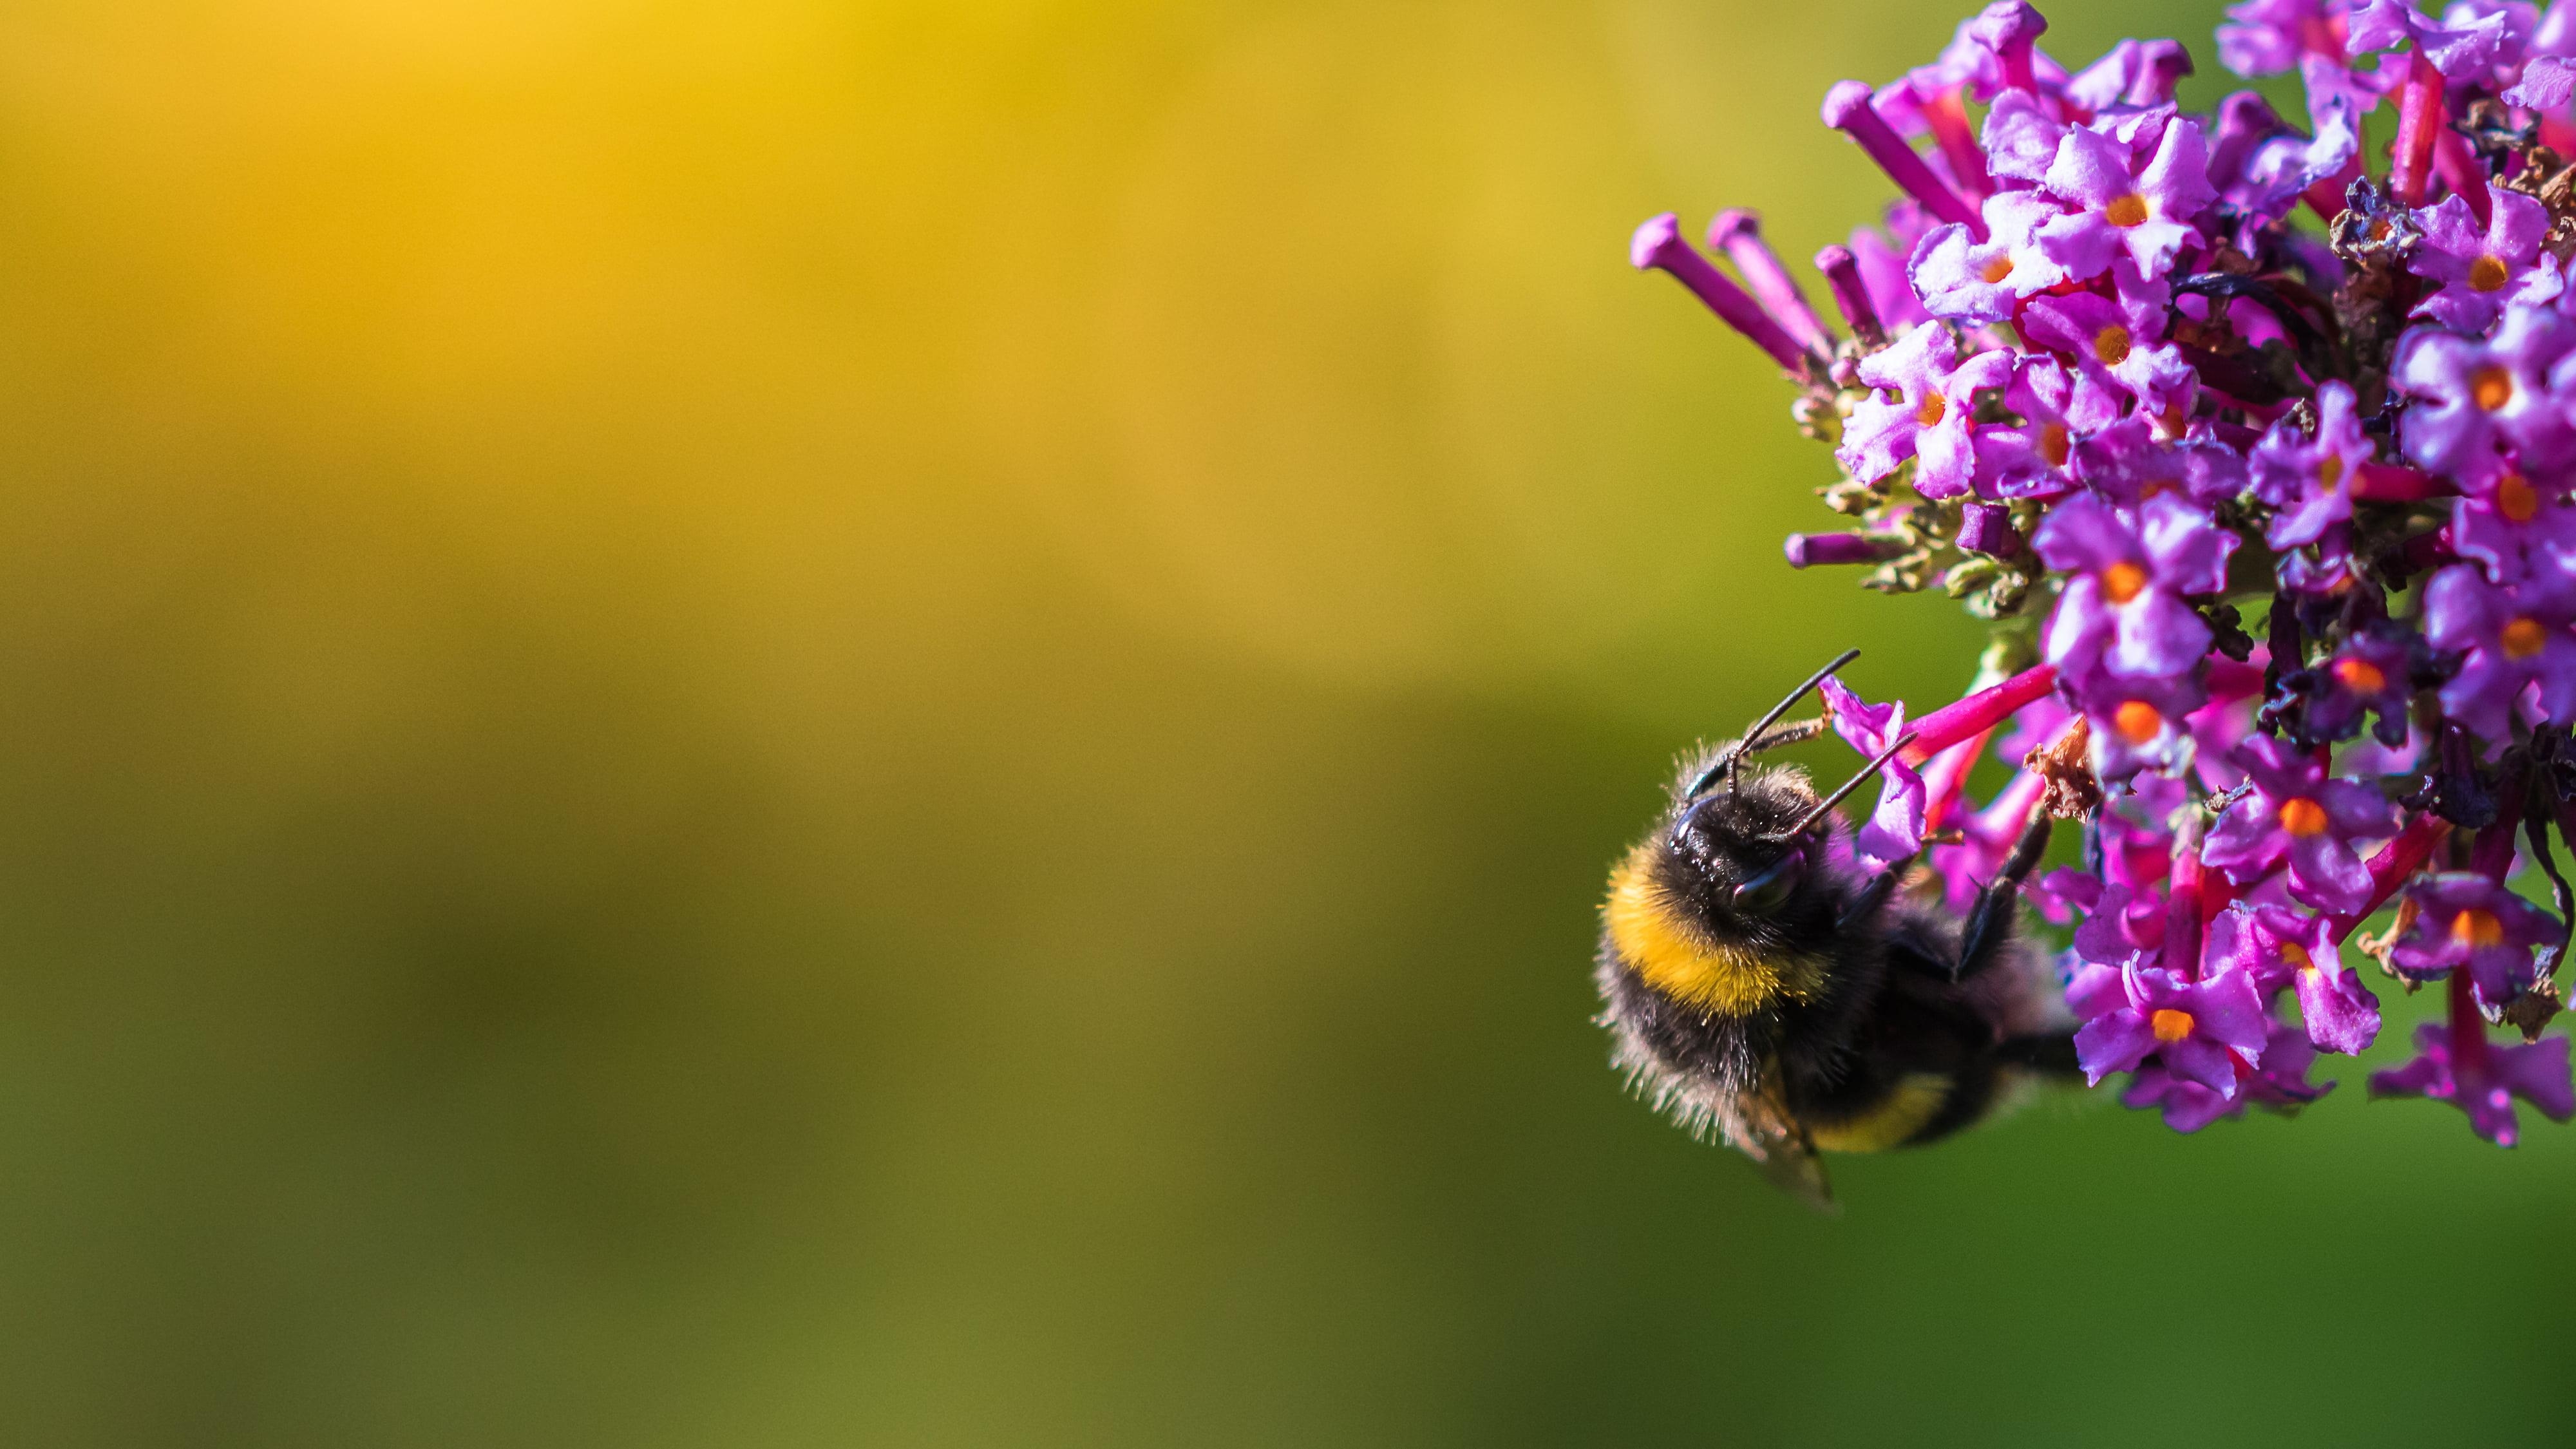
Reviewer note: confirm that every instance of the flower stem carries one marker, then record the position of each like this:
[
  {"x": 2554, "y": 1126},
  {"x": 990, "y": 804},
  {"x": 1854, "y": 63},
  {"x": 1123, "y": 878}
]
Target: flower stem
[{"x": 2468, "y": 1036}]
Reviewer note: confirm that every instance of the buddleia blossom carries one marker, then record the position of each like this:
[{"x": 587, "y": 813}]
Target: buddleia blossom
[
  {"x": 2254, "y": 449},
  {"x": 2308, "y": 477},
  {"x": 2467, "y": 922},
  {"x": 2481, "y": 265},
  {"x": 2291, "y": 817},
  {"x": 2458, "y": 1065}
]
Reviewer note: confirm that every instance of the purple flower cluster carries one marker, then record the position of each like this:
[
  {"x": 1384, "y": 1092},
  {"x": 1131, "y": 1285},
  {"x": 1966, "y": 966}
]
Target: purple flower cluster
[{"x": 2257, "y": 456}]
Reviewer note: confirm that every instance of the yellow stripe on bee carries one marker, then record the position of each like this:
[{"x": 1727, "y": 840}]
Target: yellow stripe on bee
[
  {"x": 1916, "y": 1100},
  {"x": 1676, "y": 960}
]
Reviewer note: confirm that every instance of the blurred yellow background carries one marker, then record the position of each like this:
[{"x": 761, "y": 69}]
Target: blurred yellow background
[{"x": 823, "y": 724}]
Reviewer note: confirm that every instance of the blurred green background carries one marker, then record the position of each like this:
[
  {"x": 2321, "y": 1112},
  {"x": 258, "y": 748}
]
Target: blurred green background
[{"x": 895, "y": 724}]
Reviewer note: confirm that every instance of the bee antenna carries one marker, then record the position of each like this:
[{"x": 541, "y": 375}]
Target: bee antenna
[
  {"x": 1735, "y": 757},
  {"x": 1808, "y": 821}
]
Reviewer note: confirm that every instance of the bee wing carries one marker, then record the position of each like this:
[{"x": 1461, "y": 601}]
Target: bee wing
[{"x": 1758, "y": 1124}]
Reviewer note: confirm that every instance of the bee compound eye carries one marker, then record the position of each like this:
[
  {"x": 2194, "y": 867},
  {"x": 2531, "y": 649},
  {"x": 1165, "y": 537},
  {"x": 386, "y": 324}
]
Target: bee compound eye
[{"x": 1769, "y": 890}]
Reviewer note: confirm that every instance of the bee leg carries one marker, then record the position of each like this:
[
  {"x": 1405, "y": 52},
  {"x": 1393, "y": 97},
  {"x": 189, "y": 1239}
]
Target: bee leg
[
  {"x": 1866, "y": 901},
  {"x": 1990, "y": 921}
]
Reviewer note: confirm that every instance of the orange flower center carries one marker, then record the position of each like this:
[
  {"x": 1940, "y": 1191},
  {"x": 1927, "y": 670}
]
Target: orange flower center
[
  {"x": 1929, "y": 415},
  {"x": 2297, "y": 955},
  {"x": 2516, "y": 499},
  {"x": 2523, "y": 637},
  {"x": 2054, "y": 443},
  {"x": 2360, "y": 676},
  {"x": 2329, "y": 472},
  {"x": 2111, "y": 347},
  {"x": 2130, "y": 210},
  {"x": 2490, "y": 387},
  {"x": 2137, "y": 721},
  {"x": 1996, "y": 270},
  {"x": 2477, "y": 928},
  {"x": 2302, "y": 816},
  {"x": 2122, "y": 581},
  {"x": 2170, "y": 1026},
  {"x": 2488, "y": 274}
]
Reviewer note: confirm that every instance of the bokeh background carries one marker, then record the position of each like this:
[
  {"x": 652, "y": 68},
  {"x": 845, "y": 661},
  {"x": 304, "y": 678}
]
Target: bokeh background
[{"x": 795, "y": 723}]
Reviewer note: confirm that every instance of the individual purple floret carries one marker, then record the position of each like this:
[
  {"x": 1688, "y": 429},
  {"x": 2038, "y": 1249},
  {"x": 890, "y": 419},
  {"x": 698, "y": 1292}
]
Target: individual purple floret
[
  {"x": 1929, "y": 420},
  {"x": 2295, "y": 813},
  {"x": 2308, "y": 479},
  {"x": 2281, "y": 1084},
  {"x": 2483, "y": 268},
  {"x": 2127, "y": 463},
  {"x": 2548, "y": 82},
  {"x": 2465, "y": 920},
  {"x": 2511, "y": 639},
  {"x": 2120, "y": 345},
  {"x": 2020, "y": 138},
  {"x": 1964, "y": 278},
  {"x": 2143, "y": 213},
  {"x": 2125, "y": 604},
  {"x": 2124, "y": 927},
  {"x": 2517, "y": 534},
  {"x": 2371, "y": 672},
  {"x": 2056, "y": 406},
  {"x": 2138, "y": 723},
  {"x": 2481, "y": 396},
  {"x": 2280, "y": 947},
  {"x": 2484, "y": 1080},
  {"x": 2199, "y": 1030},
  {"x": 2187, "y": 1106}
]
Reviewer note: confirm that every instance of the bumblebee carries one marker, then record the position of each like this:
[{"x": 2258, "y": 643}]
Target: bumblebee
[{"x": 1760, "y": 991}]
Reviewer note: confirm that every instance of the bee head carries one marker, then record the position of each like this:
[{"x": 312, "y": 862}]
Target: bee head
[{"x": 1743, "y": 848}]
